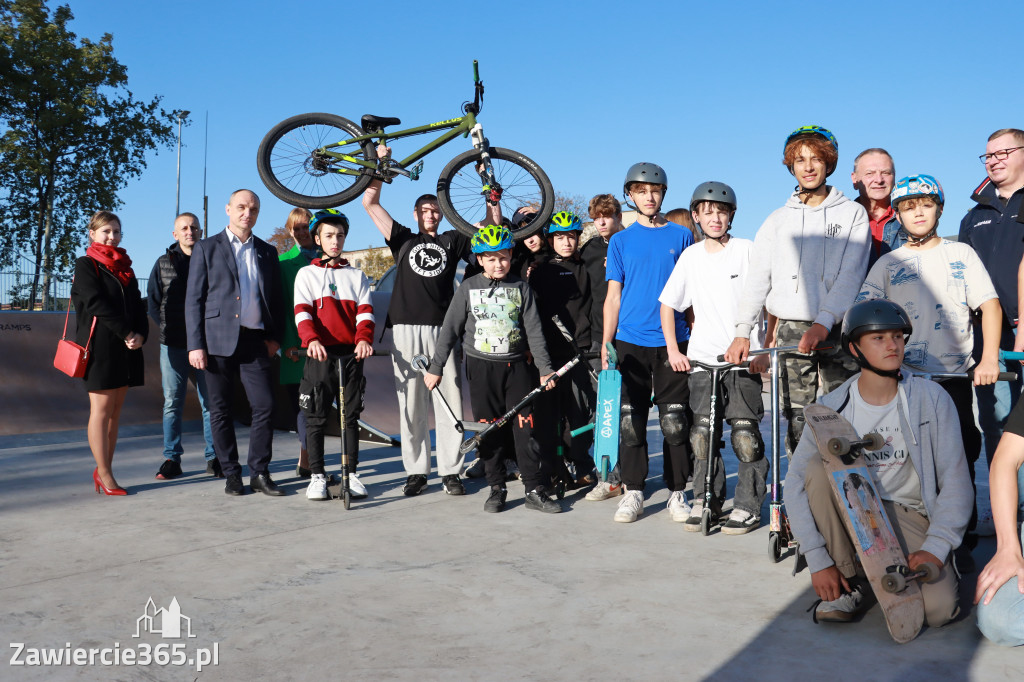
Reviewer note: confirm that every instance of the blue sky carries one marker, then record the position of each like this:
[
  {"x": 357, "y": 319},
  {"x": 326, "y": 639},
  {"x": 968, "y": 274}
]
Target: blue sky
[{"x": 707, "y": 90}]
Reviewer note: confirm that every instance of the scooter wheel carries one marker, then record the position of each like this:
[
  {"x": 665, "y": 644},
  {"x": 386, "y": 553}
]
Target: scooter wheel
[
  {"x": 705, "y": 521},
  {"x": 560, "y": 490},
  {"x": 346, "y": 498},
  {"x": 773, "y": 547}
]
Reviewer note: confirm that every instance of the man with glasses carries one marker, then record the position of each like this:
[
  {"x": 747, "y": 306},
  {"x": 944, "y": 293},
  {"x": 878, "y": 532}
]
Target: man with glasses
[{"x": 995, "y": 228}]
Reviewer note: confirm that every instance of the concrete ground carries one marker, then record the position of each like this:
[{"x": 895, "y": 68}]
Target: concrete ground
[{"x": 397, "y": 588}]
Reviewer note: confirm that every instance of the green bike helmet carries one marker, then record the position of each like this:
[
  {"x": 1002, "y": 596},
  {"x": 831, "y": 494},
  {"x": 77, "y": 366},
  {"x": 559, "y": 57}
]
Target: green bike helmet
[
  {"x": 810, "y": 131},
  {"x": 564, "y": 221},
  {"x": 491, "y": 238},
  {"x": 328, "y": 215}
]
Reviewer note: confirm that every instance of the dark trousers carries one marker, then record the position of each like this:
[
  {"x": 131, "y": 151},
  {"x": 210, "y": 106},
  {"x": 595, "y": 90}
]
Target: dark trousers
[
  {"x": 962, "y": 393},
  {"x": 252, "y": 363},
  {"x": 569, "y": 404},
  {"x": 494, "y": 388},
  {"x": 644, "y": 369},
  {"x": 317, "y": 393}
]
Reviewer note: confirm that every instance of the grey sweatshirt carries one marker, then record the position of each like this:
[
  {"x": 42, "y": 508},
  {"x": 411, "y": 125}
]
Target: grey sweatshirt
[
  {"x": 810, "y": 262},
  {"x": 932, "y": 433},
  {"x": 497, "y": 321}
]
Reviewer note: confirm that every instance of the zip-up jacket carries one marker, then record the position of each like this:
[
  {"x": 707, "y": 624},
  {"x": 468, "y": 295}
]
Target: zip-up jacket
[
  {"x": 809, "y": 262},
  {"x": 332, "y": 304},
  {"x": 166, "y": 295},
  {"x": 496, "y": 319},
  {"x": 562, "y": 288},
  {"x": 931, "y": 430},
  {"x": 996, "y": 231}
]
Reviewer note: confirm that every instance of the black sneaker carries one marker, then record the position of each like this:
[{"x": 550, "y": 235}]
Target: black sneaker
[
  {"x": 538, "y": 499},
  {"x": 496, "y": 500},
  {"x": 452, "y": 485},
  {"x": 168, "y": 470},
  {"x": 213, "y": 468},
  {"x": 414, "y": 485}
]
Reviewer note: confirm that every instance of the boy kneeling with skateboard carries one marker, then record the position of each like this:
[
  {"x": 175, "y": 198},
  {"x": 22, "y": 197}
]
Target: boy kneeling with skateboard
[
  {"x": 334, "y": 316},
  {"x": 920, "y": 473}
]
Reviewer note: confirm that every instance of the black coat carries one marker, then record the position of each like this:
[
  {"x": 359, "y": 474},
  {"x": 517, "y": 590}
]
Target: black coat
[{"x": 119, "y": 310}]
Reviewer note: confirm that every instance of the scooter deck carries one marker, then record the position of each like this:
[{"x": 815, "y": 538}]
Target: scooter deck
[
  {"x": 606, "y": 421},
  {"x": 866, "y": 522}
]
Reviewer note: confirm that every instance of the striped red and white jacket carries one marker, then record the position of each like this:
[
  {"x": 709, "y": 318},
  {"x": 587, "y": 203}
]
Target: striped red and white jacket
[{"x": 332, "y": 304}]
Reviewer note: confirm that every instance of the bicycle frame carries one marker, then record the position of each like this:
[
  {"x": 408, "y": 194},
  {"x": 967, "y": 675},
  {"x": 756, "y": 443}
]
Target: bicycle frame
[{"x": 464, "y": 125}]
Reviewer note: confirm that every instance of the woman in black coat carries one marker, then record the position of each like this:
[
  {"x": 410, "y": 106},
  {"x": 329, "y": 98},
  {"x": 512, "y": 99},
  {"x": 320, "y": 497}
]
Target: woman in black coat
[{"x": 109, "y": 306}]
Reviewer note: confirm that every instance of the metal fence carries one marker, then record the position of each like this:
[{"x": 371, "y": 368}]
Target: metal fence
[{"x": 16, "y": 288}]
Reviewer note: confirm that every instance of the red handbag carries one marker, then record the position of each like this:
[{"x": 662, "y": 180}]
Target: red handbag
[{"x": 72, "y": 358}]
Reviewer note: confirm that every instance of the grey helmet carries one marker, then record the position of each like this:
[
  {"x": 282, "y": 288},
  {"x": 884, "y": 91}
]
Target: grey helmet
[
  {"x": 713, "y": 191},
  {"x": 873, "y": 316},
  {"x": 644, "y": 172}
]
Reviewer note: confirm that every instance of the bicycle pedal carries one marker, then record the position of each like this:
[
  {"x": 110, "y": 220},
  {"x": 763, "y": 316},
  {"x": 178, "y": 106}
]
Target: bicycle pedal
[{"x": 414, "y": 172}]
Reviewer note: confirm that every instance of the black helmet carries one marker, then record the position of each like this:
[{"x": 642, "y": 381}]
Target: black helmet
[
  {"x": 872, "y": 316},
  {"x": 713, "y": 191}
]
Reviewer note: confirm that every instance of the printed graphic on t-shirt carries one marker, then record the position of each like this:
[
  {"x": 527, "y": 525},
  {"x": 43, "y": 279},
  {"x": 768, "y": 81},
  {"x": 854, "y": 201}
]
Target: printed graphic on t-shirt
[
  {"x": 904, "y": 272},
  {"x": 496, "y": 311},
  {"x": 427, "y": 260},
  {"x": 883, "y": 462},
  {"x": 916, "y": 354}
]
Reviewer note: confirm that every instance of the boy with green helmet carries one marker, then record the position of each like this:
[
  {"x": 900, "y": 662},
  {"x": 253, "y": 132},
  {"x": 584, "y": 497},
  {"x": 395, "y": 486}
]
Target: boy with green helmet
[{"x": 496, "y": 317}]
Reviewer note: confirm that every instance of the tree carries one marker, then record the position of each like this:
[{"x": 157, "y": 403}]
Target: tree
[
  {"x": 281, "y": 240},
  {"x": 73, "y": 135},
  {"x": 578, "y": 204},
  {"x": 377, "y": 261}
]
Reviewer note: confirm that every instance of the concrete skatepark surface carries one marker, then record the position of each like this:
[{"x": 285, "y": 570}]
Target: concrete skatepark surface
[{"x": 422, "y": 588}]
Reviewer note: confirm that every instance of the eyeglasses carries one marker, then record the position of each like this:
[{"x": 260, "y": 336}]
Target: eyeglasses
[{"x": 1000, "y": 155}]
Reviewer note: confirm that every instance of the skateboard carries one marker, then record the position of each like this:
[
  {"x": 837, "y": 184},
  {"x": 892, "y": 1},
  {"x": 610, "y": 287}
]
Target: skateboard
[{"x": 895, "y": 585}]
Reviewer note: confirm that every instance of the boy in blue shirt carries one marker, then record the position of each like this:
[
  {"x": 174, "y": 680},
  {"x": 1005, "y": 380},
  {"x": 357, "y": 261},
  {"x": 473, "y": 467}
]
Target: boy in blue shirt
[{"x": 640, "y": 261}]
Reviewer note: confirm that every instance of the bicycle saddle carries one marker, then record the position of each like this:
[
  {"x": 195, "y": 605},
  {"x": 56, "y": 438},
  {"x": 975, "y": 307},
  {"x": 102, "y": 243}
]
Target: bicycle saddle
[{"x": 371, "y": 122}]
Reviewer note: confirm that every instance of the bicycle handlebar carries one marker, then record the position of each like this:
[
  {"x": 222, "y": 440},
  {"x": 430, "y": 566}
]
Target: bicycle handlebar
[
  {"x": 476, "y": 71},
  {"x": 727, "y": 365}
]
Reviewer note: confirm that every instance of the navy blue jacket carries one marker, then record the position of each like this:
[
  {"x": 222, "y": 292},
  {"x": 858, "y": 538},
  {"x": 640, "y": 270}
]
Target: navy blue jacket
[
  {"x": 212, "y": 298},
  {"x": 996, "y": 231}
]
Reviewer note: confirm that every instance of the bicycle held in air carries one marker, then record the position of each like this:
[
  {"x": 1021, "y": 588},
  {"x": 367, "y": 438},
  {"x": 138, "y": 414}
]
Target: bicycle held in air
[{"x": 322, "y": 161}]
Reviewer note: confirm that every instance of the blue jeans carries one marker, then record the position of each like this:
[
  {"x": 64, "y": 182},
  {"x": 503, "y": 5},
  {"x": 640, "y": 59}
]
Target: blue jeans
[
  {"x": 1002, "y": 619},
  {"x": 175, "y": 370},
  {"x": 995, "y": 401}
]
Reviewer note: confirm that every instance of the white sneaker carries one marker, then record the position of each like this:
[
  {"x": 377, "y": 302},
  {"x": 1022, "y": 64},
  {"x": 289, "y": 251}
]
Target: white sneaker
[
  {"x": 317, "y": 488},
  {"x": 841, "y": 610},
  {"x": 986, "y": 527},
  {"x": 356, "y": 487},
  {"x": 678, "y": 507},
  {"x": 692, "y": 524},
  {"x": 630, "y": 507},
  {"x": 603, "y": 490},
  {"x": 741, "y": 521}
]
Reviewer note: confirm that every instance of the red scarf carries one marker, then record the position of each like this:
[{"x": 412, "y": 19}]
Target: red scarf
[{"x": 113, "y": 258}]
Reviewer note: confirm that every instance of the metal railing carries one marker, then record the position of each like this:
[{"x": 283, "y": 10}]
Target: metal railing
[{"x": 16, "y": 288}]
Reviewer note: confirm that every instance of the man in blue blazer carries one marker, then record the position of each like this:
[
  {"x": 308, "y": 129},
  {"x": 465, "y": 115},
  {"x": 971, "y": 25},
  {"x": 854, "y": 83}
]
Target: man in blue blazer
[{"x": 234, "y": 314}]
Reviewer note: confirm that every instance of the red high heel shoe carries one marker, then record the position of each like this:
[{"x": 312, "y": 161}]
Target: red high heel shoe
[{"x": 105, "y": 489}]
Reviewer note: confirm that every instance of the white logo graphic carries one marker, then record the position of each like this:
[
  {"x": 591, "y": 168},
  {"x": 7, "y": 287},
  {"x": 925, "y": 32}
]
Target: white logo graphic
[
  {"x": 428, "y": 260},
  {"x": 170, "y": 620}
]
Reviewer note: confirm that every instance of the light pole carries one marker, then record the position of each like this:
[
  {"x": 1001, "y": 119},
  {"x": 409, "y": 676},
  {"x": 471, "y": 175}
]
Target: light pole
[{"x": 177, "y": 195}]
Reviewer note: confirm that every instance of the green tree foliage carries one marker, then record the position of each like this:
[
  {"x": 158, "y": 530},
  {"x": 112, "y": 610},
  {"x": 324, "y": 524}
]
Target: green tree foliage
[{"x": 71, "y": 134}]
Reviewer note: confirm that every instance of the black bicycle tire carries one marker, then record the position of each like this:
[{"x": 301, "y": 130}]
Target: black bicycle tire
[
  {"x": 451, "y": 172},
  {"x": 313, "y": 201}
]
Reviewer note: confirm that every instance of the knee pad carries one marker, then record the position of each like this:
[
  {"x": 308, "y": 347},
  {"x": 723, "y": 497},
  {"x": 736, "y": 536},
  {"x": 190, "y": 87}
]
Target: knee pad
[
  {"x": 746, "y": 441},
  {"x": 674, "y": 425},
  {"x": 700, "y": 436},
  {"x": 629, "y": 434}
]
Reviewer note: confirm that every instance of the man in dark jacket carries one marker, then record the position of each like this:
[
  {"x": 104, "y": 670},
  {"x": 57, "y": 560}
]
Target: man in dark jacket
[
  {"x": 995, "y": 228},
  {"x": 167, "y": 284}
]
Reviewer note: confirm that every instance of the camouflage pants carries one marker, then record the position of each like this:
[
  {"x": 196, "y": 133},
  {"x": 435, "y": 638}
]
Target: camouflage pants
[{"x": 801, "y": 373}]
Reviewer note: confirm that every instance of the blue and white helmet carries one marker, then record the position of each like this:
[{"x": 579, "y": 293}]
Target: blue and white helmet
[{"x": 914, "y": 186}]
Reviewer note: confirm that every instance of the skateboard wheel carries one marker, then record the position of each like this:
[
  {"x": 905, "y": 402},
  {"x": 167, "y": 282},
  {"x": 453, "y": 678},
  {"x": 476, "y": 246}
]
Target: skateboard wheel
[
  {"x": 346, "y": 498},
  {"x": 893, "y": 583},
  {"x": 705, "y": 521},
  {"x": 773, "y": 547},
  {"x": 931, "y": 572},
  {"x": 839, "y": 446},
  {"x": 875, "y": 442}
]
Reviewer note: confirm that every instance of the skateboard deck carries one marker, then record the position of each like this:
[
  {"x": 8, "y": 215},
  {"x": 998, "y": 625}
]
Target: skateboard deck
[
  {"x": 866, "y": 522},
  {"x": 606, "y": 418}
]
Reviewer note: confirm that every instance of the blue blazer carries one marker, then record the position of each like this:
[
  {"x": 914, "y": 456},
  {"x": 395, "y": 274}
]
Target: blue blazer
[{"x": 212, "y": 299}]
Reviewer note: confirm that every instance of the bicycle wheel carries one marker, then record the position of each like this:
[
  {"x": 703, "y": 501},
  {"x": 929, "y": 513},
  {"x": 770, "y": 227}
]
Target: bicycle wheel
[
  {"x": 294, "y": 173},
  {"x": 522, "y": 181}
]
